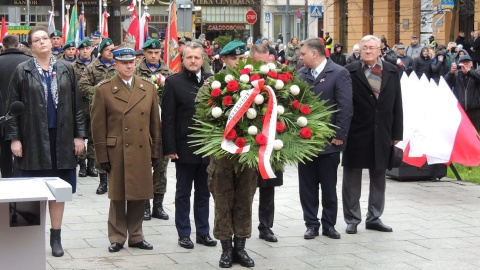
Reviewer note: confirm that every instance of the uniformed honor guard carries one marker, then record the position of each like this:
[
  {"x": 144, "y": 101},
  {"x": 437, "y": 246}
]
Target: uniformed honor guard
[
  {"x": 95, "y": 43},
  {"x": 152, "y": 65},
  {"x": 56, "y": 38},
  {"x": 69, "y": 51},
  {"x": 84, "y": 59},
  {"x": 233, "y": 190},
  {"x": 101, "y": 69},
  {"x": 126, "y": 132}
]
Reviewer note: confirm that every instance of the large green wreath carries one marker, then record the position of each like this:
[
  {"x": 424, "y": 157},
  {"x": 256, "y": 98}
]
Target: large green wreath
[{"x": 303, "y": 126}]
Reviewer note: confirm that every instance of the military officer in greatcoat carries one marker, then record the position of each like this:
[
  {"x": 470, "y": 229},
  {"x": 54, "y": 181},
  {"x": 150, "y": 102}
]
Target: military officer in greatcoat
[{"x": 126, "y": 135}]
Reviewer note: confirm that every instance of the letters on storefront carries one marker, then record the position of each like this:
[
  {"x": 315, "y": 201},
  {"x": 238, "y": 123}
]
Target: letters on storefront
[
  {"x": 225, "y": 27},
  {"x": 223, "y": 2}
]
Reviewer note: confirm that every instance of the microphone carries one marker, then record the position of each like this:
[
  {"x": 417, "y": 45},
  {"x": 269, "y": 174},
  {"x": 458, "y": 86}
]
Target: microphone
[{"x": 16, "y": 109}]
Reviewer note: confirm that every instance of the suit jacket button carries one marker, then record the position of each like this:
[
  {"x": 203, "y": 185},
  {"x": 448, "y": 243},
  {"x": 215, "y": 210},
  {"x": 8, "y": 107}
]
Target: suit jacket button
[
  {"x": 127, "y": 145},
  {"x": 126, "y": 129}
]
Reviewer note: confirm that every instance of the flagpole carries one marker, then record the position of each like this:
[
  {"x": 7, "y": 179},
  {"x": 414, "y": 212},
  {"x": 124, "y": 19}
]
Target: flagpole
[
  {"x": 100, "y": 26},
  {"x": 167, "y": 44},
  {"x": 63, "y": 13}
]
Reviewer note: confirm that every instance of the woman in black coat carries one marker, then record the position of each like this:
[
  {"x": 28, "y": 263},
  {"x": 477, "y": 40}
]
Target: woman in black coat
[
  {"x": 423, "y": 64},
  {"x": 439, "y": 66}
]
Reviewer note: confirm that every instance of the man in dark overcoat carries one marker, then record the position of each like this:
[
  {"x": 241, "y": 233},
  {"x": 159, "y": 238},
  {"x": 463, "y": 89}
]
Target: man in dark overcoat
[
  {"x": 178, "y": 108},
  {"x": 126, "y": 135},
  {"x": 332, "y": 82},
  {"x": 377, "y": 124}
]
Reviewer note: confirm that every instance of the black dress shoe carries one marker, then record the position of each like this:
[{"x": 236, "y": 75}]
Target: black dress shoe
[
  {"x": 142, "y": 245},
  {"x": 379, "y": 226},
  {"x": 331, "y": 233},
  {"x": 185, "y": 242},
  {"x": 267, "y": 235},
  {"x": 206, "y": 240},
  {"x": 351, "y": 228},
  {"x": 311, "y": 233},
  {"x": 115, "y": 247}
]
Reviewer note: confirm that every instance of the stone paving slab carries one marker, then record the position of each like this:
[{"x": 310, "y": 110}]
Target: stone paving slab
[{"x": 436, "y": 225}]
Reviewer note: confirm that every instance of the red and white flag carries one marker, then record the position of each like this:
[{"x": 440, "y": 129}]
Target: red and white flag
[
  {"x": 105, "y": 24},
  {"x": 133, "y": 32},
  {"x": 171, "y": 56},
  {"x": 4, "y": 29}
]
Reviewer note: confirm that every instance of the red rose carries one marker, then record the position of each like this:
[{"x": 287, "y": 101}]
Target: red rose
[
  {"x": 245, "y": 71},
  {"x": 211, "y": 102},
  {"x": 227, "y": 101},
  {"x": 295, "y": 104},
  {"x": 262, "y": 118},
  {"x": 232, "y": 86},
  {"x": 216, "y": 92},
  {"x": 231, "y": 134},
  {"x": 304, "y": 109},
  {"x": 281, "y": 127},
  {"x": 261, "y": 139},
  {"x": 272, "y": 74},
  {"x": 255, "y": 77},
  {"x": 305, "y": 133},
  {"x": 240, "y": 142},
  {"x": 289, "y": 75},
  {"x": 283, "y": 78}
]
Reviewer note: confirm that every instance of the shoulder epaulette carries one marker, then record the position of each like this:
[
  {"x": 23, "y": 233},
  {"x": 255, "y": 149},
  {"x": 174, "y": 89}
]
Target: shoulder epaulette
[{"x": 103, "y": 82}]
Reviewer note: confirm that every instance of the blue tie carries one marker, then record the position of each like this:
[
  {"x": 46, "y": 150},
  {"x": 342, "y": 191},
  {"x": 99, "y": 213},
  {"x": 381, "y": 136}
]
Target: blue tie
[{"x": 314, "y": 73}]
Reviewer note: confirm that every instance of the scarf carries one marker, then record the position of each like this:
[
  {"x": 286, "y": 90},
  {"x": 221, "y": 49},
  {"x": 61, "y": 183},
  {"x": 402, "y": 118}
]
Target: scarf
[
  {"x": 374, "y": 77},
  {"x": 152, "y": 68},
  {"x": 52, "y": 73},
  {"x": 105, "y": 63}
]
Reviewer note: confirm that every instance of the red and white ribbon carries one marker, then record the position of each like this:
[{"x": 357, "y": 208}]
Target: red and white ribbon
[{"x": 268, "y": 129}]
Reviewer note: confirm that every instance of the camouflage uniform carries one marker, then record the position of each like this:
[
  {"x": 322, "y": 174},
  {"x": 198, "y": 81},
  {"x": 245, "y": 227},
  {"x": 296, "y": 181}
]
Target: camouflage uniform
[
  {"x": 233, "y": 191},
  {"x": 92, "y": 75},
  {"x": 160, "y": 169}
]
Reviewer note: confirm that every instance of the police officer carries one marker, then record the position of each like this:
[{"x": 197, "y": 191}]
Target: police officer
[
  {"x": 233, "y": 191},
  {"x": 56, "y": 38},
  {"x": 69, "y": 51},
  {"x": 126, "y": 131},
  {"x": 84, "y": 59},
  {"x": 101, "y": 69},
  {"x": 152, "y": 65},
  {"x": 328, "y": 42}
]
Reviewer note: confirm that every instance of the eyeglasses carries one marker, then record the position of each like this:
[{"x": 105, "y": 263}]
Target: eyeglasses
[
  {"x": 371, "y": 48},
  {"x": 44, "y": 39}
]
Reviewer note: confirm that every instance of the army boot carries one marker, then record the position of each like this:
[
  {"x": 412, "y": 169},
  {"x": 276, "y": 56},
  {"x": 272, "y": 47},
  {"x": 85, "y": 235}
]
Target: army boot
[
  {"x": 103, "y": 186},
  {"x": 240, "y": 255},
  {"x": 226, "y": 257},
  {"x": 146, "y": 212},
  {"x": 56, "y": 242},
  {"x": 83, "y": 168},
  {"x": 91, "y": 171},
  {"x": 157, "y": 211}
]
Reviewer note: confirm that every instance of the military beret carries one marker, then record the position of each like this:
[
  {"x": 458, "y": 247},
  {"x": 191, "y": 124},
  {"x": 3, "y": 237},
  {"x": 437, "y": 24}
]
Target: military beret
[
  {"x": 84, "y": 43},
  {"x": 199, "y": 42},
  {"x": 138, "y": 53},
  {"x": 151, "y": 44},
  {"x": 56, "y": 33},
  {"x": 106, "y": 42},
  {"x": 234, "y": 48},
  {"x": 181, "y": 41},
  {"x": 68, "y": 44},
  {"x": 123, "y": 53}
]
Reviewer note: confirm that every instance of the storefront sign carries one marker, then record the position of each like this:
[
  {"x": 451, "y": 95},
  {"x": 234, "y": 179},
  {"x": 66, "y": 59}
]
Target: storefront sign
[
  {"x": 226, "y": 27},
  {"x": 223, "y": 2}
]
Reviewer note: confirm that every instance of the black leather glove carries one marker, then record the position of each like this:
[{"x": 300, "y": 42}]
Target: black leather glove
[
  {"x": 105, "y": 166},
  {"x": 154, "y": 162}
]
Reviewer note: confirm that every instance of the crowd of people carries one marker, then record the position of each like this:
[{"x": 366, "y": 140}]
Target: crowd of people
[{"x": 93, "y": 105}]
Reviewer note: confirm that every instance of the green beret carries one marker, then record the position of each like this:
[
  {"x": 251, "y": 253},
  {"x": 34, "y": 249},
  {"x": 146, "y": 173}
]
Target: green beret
[
  {"x": 151, "y": 44},
  {"x": 84, "y": 43},
  {"x": 105, "y": 42},
  {"x": 234, "y": 48},
  {"x": 56, "y": 33},
  {"x": 68, "y": 44}
]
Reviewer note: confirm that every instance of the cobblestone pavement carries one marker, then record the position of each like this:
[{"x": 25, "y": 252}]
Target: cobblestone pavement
[{"x": 436, "y": 225}]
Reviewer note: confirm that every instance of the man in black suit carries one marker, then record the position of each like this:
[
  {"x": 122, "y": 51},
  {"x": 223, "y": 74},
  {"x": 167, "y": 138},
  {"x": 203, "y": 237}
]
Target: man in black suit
[
  {"x": 335, "y": 86},
  {"x": 10, "y": 58},
  {"x": 377, "y": 124},
  {"x": 178, "y": 108}
]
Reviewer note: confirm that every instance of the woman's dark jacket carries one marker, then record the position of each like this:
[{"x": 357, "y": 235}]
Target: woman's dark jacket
[{"x": 31, "y": 128}]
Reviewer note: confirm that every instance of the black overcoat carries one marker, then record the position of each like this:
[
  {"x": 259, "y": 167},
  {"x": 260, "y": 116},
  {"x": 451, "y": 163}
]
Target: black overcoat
[{"x": 375, "y": 123}]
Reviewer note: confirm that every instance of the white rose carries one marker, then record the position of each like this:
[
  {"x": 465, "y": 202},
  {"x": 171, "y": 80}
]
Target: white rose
[
  {"x": 271, "y": 66},
  {"x": 264, "y": 69},
  {"x": 252, "y": 130},
  {"x": 294, "y": 90},
  {"x": 280, "y": 109},
  {"x": 244, "y": 78},
  {"x": 277, "y": 144},
  {"x": 279, "y": 84},
  {"x": 153, "y": 78},
  {"x": 229, "y": 77},
  {"x": 259, "y": 99},
  {"x": 251, "y": 113},
  {"x": 217, "y": 112},
  {"x": 243, "y": 93},
  {"x": 302, "y": 121},
  {"x": 249, "y": 67},
  {"x": 216, "y": 84}
]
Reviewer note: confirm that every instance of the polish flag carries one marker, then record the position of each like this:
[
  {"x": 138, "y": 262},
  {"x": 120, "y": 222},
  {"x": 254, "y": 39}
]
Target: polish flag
[
  {"x": 436, "y": 128},
  {"x": 4, "y": 29}
]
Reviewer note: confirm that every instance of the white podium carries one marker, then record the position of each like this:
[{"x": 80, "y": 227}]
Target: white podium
[{"x": 22, "y": 219}]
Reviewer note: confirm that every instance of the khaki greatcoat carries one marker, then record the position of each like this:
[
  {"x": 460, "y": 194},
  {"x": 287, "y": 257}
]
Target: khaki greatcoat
[{"x": 126, "y": 133}]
